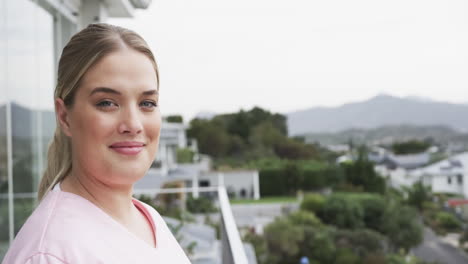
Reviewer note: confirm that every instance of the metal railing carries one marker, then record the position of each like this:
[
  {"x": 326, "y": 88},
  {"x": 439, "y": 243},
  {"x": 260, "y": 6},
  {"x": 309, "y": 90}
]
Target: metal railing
[{"x": 233, "y": 251}]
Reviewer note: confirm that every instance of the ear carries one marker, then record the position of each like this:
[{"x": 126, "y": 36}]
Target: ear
[{"x": 62, "y": 116}]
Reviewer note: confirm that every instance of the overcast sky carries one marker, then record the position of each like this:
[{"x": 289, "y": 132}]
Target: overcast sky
[{"x": 220, "y": 56}]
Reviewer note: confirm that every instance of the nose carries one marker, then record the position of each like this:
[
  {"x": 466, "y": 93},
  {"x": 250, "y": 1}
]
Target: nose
[{"x": 130, "y": 122}]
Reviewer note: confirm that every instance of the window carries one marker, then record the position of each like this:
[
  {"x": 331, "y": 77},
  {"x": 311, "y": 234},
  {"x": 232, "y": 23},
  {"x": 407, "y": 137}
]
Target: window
[
  {"x": 449, "y": 180},
  {"x": 460, "y": 179}
]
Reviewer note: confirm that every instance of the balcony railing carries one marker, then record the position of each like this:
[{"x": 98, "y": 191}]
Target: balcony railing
[{"x": 233, "y": 251}]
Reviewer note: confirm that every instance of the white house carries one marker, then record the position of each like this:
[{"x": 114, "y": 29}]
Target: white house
[
  {"x": 449, "y": 175},
  {"x": 172, "y": 137}
]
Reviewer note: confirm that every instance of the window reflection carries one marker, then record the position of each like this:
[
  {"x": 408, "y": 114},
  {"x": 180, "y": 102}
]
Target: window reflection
[{"x": 26, "y": 85}]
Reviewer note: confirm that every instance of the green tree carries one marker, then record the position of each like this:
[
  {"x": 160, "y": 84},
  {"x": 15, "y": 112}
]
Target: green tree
[
  {"x": 283, "y": 241},
  {"x": 374, "y": 209},
  {"x": 212, "y": 138},
  {"x": 342, "y": 212},
  {"x": 174, "y": 119},
  {"x": 419, "y": 194},
  {"x": 318, "y": 244},
  {"x": 362, "y": 242},
  {"x": 410, "y": 147},
  {"x": 185, "y": 155},
  {"x": 362, "y": 173},
  {"x": 304, "y": 218},
  {"x": 313, "y": 202},
  {"x": 402, "y": 226}
]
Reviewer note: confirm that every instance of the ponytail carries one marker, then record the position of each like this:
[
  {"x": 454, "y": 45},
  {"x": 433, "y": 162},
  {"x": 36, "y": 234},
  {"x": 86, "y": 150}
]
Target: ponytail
[{"x": 58, "y": 162}]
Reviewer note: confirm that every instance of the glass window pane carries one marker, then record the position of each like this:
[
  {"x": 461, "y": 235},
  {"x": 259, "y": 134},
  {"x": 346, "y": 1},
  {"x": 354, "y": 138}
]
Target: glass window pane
[{"x": 4, "y": 232}]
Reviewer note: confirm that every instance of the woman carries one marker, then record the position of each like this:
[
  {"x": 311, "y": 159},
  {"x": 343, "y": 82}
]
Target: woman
[{"x": 107, "y": 134}]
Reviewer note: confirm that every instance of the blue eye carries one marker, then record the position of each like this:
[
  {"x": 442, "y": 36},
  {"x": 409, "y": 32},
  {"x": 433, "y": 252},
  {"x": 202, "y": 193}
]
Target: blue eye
[
  {"x": 105, "y": 103},
  {"x": 148, "y": 104}
]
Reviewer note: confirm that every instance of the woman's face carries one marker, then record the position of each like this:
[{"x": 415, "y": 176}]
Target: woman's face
[{"x": 114, "y": 123}]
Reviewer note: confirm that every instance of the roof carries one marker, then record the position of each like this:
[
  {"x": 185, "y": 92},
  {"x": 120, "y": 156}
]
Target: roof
[
  {"x": 454, "y": 164},
  {"x": 410, "y": 161}
]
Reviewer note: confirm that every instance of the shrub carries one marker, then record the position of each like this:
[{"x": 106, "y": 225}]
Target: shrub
[
  {"x": 346, "y": 256},
  {"x": 318, "y": 244},
  {"x": 418, "y": 194},
  {"x": 375, "y": 258},
  {"x": 401, "y": 226},
  {"x": 313, "y": 202},
  {"x": 185, "y": 155},
  {"x": 363, "y": 242},
  {"x": 374, "y": 208},
  {"x": 283, "y": 240},
  {"x": 342, "y": 212},
  {"x": 200, "y": 205},
  {"x": 448, "y": 221},
  {"x": 305, "y": 218}
]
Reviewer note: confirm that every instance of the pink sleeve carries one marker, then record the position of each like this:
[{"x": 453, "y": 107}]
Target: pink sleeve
[{"x": 44, "y": 258}]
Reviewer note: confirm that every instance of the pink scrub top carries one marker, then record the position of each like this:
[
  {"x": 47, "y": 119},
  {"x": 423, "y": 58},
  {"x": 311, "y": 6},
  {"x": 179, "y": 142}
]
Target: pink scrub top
[{"x": 67, "y": 228}]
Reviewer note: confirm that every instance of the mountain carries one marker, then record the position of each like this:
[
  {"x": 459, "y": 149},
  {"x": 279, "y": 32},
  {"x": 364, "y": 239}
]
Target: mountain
[
  {"x": 389, "y": 134},
  {"x": 24, "y": 121},
  {"x": 382, "y": 110}
]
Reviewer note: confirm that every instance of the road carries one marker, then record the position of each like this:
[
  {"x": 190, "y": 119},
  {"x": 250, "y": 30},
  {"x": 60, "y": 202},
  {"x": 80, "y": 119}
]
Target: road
[{"x": 433, "y": 249}]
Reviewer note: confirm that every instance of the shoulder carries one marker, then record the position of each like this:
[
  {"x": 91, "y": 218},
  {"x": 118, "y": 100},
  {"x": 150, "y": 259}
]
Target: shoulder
[
  {"x": 154, "y": 214},
  {"x": 55, "y": 226}
]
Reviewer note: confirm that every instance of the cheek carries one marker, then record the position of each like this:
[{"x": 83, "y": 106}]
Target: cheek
[
  {"x": 153, "y": 128},
  {"x": 94, "y": 127}
]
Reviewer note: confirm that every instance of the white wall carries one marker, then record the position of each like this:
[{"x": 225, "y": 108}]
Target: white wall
[
  {"x": 440, "y": 184},
  {"x": 235, "y": 180}
]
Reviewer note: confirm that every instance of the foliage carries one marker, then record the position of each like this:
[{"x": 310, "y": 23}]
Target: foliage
[
  {"x": 174, "y": 119},
  {"x": 185, "y": 155},
  {"x": 318, "y": 244},
  {"x": 342, "y": 212},
  {"x": 448, "y": 221},
  {"x": 259, "y": 244},
  {"x": 283, "y": 240},
  {"x": 362, "y": 173},
  {"x": 375, "y": 258},
  {"x": 304, "y": 218},
  {"x": 418, "y": 194},
  {"x": 362, "y": 242},
  {"x": 200, "y": 205},
  {"x": 346, "y": 256},
  {"x": 410, "y": 147},
  {"x": 313, "y": 202},
  {"x": 281, "y": 177},
  {"x": 211, "y": 136},
  {"x": 374, "y": 209},
  {"x": 402, "y": 227},
  {"x": 248, "y": 135}
]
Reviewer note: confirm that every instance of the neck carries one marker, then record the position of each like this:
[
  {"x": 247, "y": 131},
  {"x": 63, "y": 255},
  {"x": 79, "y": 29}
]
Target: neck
[{"x": 116, "y": 201}]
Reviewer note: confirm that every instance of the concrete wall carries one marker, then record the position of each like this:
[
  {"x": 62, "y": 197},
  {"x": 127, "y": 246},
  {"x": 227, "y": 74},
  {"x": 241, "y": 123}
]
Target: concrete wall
[{"x": 236, "y": 182}]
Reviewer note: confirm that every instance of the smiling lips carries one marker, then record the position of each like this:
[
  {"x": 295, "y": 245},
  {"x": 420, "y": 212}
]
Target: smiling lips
[{"x": 128, "y": 147}]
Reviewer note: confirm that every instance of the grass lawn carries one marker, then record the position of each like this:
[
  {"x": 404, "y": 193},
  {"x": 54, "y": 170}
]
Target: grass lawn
[{"x": 270, "y": 199}]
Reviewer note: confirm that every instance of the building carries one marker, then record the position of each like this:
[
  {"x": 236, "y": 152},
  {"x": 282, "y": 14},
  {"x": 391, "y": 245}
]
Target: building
[
  {"x": 32, "y": 36},
  {"x": 446, "y": 176}
]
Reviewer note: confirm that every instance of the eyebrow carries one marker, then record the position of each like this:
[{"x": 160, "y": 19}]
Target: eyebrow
[{"x": 112, "y": 91}]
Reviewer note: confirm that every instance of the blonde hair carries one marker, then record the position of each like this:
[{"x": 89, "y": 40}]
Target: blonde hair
[{"x": 84, "y": 50}]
